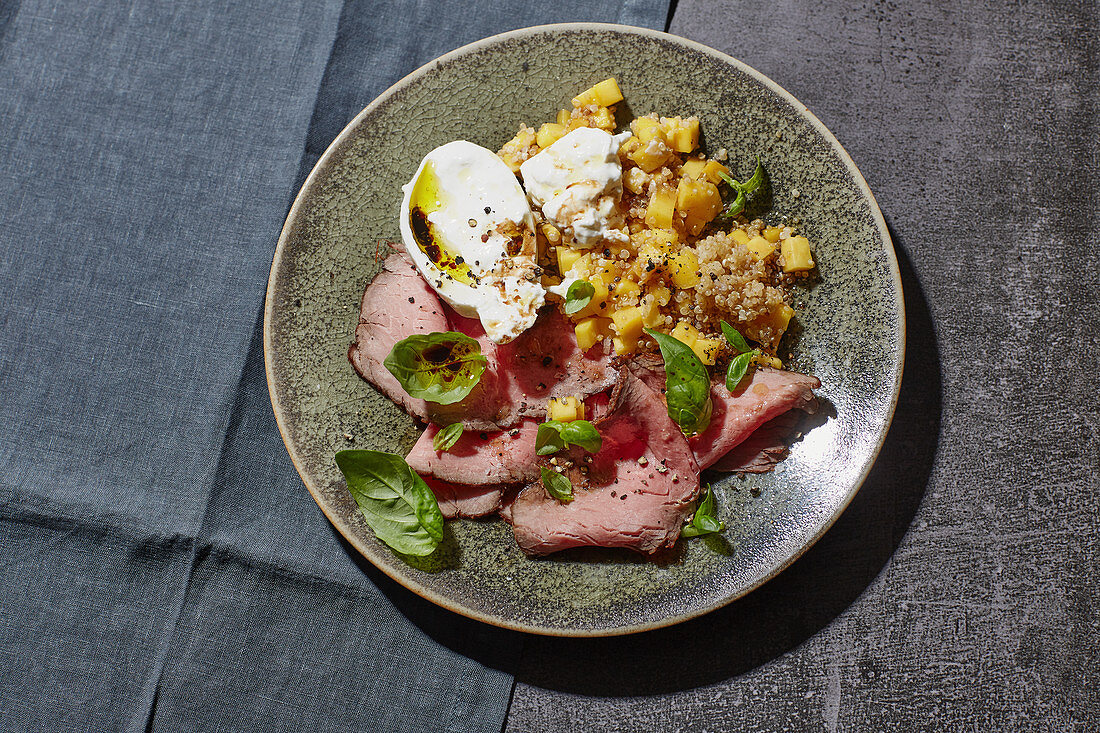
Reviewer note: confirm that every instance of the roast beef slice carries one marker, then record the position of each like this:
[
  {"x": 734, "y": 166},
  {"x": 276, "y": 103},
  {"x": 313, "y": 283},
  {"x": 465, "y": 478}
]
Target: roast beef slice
[{"x": 635, "y": 493}]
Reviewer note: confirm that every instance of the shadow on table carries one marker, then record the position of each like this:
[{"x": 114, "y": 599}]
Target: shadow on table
[{"x": 769, "y": 621}]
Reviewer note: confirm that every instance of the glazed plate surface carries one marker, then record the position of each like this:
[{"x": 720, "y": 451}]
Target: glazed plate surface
[{"x": 850, "y": 330}]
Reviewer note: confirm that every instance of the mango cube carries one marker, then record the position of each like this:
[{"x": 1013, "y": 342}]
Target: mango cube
[
  {"x": 760, "y": 248},
  {"x": 647, "y": 128},
  {"x": 706, "y": 349},
  {"x": 605, "y": 93},
  {"x": 622, "y": 348},
  {"x": 693, "y": 168},
  {"x": 549, "y": 134},
  {"x": 563, "y": 117},
  {"x": 626, "y": 287},
  {"x": 683, "y": 269},
  {"x": 591, "y": 331},
  {"x": 565, "y": 409},
  {"x": 567, "y": 257},
  {"x": 778, "y": 320},
  {"x": 658, "y": 215},
  {"x": 510, "y": 152},
  {"x": 685, "y": 332},
  {"x": 796, "y": 254},
  {"x": 699, "y": 202},
  {"x": 650, "y": 155},
  {"x": 683, "y": 135},
  {"x": 740, "y": 236},
  {"x": 628, "y": 323},
  {"x": 662, "y": 295},
  {"x": 772, "y": 234},
  {"x": 598, "y": 304}
]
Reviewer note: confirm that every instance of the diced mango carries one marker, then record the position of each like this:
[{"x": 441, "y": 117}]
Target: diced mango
[
  {"x": 591, "y": 331},
  {"x": 685, "y": 332},
  {"x": 769, "y": 361},
  {"x": 658, "y": 215},
  {"x": 683, "y": 268},
  {"x": 651, "y": 313},
  {"x": 635, "y": 180},
  {"x": 683, "y": 135},
  {"x": 778, "y": 320},
  {"x": 647, "y": 128},
  {"x": 628, "y": 323},
  {"x": 549, "y": 134},
  {"x": 699, "y": 202},
  {"x": 694, "y": 168},
  {"x": 665, "y": 240},
  {"x": 651, "y": 155},
  {"x": 565, "y": 409},
  {"x": 567, "y": 257},
  {"x": 772, "y": 234},
  {"x": 605, "y": 93},
  {"x": 706, "y": 349},
  {"x": 604, "y": 119},
  {"x": 796, "y": 254},
  {"x": 740, "y": 236},
  {"x": 510, "y": 153},
  {"x": 760, "y": 247},
  {"x": 662, "y": 294},
  {"x": 624, "y": 347},
  {"x": 626, "y": 287},
  {"x": 563, "y": 117}
]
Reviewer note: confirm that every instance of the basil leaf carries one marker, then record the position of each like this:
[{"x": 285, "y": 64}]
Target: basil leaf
[
  {"x": 687, "y": 384},
  {"x": 582, "y": 433},
  {"x": 446, "y": 438},
  {"x": 742, "y": 190},
  {"x": 549, "y": 440},
  {"x": 394, "y": 500},
  {"x": 757, "y": 178},
  {"x": 736, "y": 340},
  {"x": 557, "y": 486},
  {"x": 554, "y": 436},
  {"x": 738, "y": 368},
  {"x": 705, "y": 520},
  {"x": 437, "y": 367},
  {"x": 578, "y": 297}
]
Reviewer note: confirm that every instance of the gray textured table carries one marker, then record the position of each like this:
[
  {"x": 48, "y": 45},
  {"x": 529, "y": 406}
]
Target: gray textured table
[{"x": 960, "y": 591}]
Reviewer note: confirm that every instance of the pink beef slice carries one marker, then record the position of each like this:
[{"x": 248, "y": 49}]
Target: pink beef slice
[
  {"x": 766, "y": 395},
  {"x": 623, "y": 500},
  {"x": 458, "y": 500},
  {"x": 480, "y": 457},
  {"x": 542, "y": 362},
  {"x": 398, "y": 303},
  {"x": 767, "y": 446}
]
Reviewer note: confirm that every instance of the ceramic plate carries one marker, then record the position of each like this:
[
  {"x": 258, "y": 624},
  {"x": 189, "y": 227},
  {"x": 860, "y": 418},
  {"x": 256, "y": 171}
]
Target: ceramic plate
[{"x": 851, "y": 324}]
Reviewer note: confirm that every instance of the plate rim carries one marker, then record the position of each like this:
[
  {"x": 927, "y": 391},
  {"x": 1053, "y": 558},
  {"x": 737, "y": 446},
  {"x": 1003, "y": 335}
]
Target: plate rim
[{"x": 427, "y": 593}]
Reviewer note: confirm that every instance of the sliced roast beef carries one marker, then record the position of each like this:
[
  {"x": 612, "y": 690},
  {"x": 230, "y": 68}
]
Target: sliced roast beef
[
  {"x": 763, "y": 396},
  {"x": 397, "y": 304},
  {"x": 519, "y": 378},
  {"x": 480, "y": 457},
  {"x": 458, "y": 500},
  {"x": 767, "y": 446},
  {"x": 635, "y": 493},
  {"x": 542, "y": 362}
]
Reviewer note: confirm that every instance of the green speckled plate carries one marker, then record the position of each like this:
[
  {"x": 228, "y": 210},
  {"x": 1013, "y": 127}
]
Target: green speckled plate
[{"x": 851, "y": 335}]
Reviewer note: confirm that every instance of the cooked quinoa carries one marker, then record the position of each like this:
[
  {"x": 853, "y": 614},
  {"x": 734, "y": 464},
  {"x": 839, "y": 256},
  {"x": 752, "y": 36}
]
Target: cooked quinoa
[{"x": 686, "y": 268}]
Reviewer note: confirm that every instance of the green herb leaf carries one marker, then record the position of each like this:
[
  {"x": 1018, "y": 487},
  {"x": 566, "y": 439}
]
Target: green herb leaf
[
  {"x": 705, "y": 520},
  {"x": 582, "y": 433},
  {"x": 437, "y": 367},
  {"x": 578, "y": 297},
  {"x": 446, "y": 438},
  {"x": 554, "y": 436},
  {"x": 394, "y": 500},
  {"x": 557, "y": 486},
  {"x": 757, "y": 178},
  {"x": 742, "y": 190},
  {"x": 687, "y": 384},
  {"x": 549, "y": 440},
  {"x": 738, "y": 368},
  {"x": 736, "y": 340}
]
